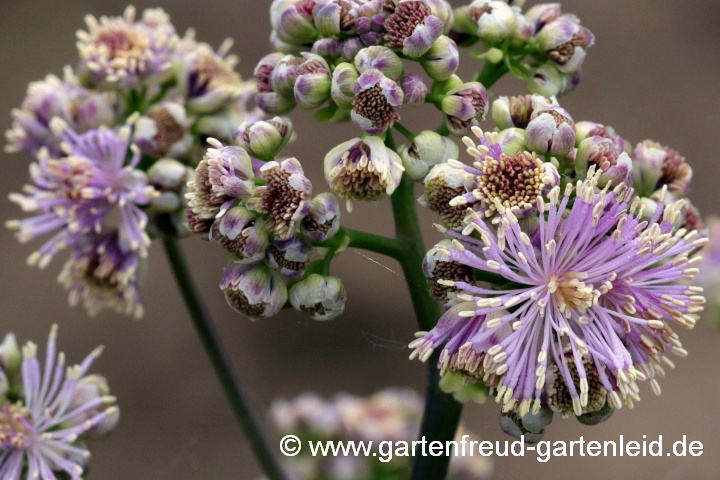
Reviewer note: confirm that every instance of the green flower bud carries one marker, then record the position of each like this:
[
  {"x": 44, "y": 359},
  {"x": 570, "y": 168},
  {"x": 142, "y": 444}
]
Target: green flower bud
[
  {"x": 428, "y": 149},
  {"x": 323, "y": 298},
  {"x": 264, "y": 138},
  {"x": 379, "y": 58},
  {"x": 10, "y": 355},
  {"x": 343, "y": 79}
]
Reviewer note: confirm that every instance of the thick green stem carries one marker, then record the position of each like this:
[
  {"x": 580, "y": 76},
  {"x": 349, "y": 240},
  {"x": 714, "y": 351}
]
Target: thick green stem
[
  {"x": 237, "y": 395},
  {"x": 491, "y": 73}
]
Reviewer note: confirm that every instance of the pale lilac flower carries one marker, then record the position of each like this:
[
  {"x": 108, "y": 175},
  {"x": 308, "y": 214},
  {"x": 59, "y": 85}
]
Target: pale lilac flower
[
  {"x": 207, "y": 77},
  {"x": 656, "y": 165},
  {"x": 123, "y": 51},
  {"x": 465, "y": 106},
  {"x": 565, "y": 41},
  {"x": 601, "y": 152},
  {"x": 413, "y": 28},
  {"x": 551, "y": 130},
  {"x": 379, "y": 58},
  {"x": 42, "y": 434},
  {"x": 587, "y": 129},
  {"x": 81, "y": 193},
  {"x": 241, "y": 232},
  {"x": 515, "y": 112},
  {"x": 295, "y": 22},
  {"x": 313, "y": 82},
  {"x": 102, "y": 274},
  {"x": 363, "y": 169},
  {"x": 164, "y": 131},
  {"x": 376, "y": 98},
  {"x": 514, "y": 182},
  {"x": 323, "y": 219},
  {"x": 285, "y": 197},
  {"x": 267, "y": 99},
  {"x": 222, "y": 177},
  {"x": 333, "y": 17},
  {"x": 253, "y": 290},
  {"x": 52, "y": 97},
  {"x": 289, "y": 256},
  {"x": 437, "y": 265},
  {"x": 589, "y": 308},
  {"x": 443, "y": 183}
]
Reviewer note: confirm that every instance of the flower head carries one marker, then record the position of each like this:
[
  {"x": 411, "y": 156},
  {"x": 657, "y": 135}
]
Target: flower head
[
  {"x": 590, "y": 308},
  {"x": 437, "y": 265},
  {"x": 495, "y": 19},
  {"x": 101, "y": 274},
  {"x": 207, "y": 77},
  {"x": 656, "y": 165},
  {"x": 442, "y": 184},
  {"x": 165, "y": 131},
  {"x": 414, "y": 89},
  {"x": 241, "y": 232},
  {"x": 52, "y": 97},
  {"x": 123, "y": 51},
  {"x": 515, "y": 112},
  {"x": 289, "y": 256},
  {"x": 222, "y": 176},
  {"x": 79, "y": 194},
  {"x": 313, "y": 82},
  {"x": 253, "y": 290},
  {"x": 565, "y": 41},
  {"x": 285, "y": 198},
  {"x": 42, "y": 434},
  {"x": 323, "y": 219},
  {"x": 511, "y": 181},
  {"x": 376, "y": 98},
  {"x": 363, "y": 169},
  {"x": 323, "y": 298},
  {"x": 413, "y": 28},
  {"x": 601, "y": 152}
]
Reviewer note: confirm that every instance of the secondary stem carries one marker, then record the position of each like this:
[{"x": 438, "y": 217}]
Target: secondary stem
[{"x": 235, "y": 391}]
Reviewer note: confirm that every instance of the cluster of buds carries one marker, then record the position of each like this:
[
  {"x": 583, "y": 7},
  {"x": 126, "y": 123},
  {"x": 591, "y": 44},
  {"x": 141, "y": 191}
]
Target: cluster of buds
[
  {"x": 44, "y": 429},
  {"x": 390, "y": 415},
  {"x": 266, "y": 219}
]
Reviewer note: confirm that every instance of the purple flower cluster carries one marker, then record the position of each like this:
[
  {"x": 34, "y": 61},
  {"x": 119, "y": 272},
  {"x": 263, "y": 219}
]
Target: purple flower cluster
[
  {"x": 48, "y": 413},
  {"x": 115, "y": 142},
  {"x": 265, "y": 218},
  {"x": 589, "y": 304},
  {"x": 388, "y": 415}
]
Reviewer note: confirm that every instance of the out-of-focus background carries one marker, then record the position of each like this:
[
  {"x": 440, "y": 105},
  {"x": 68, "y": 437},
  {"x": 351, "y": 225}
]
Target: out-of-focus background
[{"x": 653, "y": 73}]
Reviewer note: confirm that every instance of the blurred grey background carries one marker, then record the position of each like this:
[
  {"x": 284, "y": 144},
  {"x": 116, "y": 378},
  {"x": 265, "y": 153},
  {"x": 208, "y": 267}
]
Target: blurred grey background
[{"x": 653, "y": 73}]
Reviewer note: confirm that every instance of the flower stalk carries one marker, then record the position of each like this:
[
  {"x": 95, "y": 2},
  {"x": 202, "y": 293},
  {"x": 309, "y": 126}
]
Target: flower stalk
[{"x": 235, "y": 391}]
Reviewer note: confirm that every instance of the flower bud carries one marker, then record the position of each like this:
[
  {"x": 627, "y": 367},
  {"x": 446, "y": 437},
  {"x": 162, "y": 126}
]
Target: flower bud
[
  {"x": 363, "y": 169},
  {"x": 442, "y": 60},
  {"x": 655, "y": 166},
  {"x": 264, "y": 138},
  {"x": 267, "y": 99},
  {"x": 414, "y": 90},
  {"x": 165, "y": 131},
  {"x": 376, "y": 98},
  {"x": 344, "y": 77},
  {"x": 542, "y": 14},
  {"x": 464, "y": 391},
  {"x": 333, "y": 17},
  {"x": 438, "y": 266},
  {"x": 551, "y": 130},
  {"x": 465, "y": 107},
  {"x": 379, "y": 58},
  {"x": 94, "y": 388},
  {"x": 312, "y": 86},
  {"x": 290, "y": 257},
  {"x": 601, "y": 153},
  {"x": 566, "y": 42},
  {"x": 169, "y": 177},
  {"x": 495, "y": 20},
  {"x": 350, "y": 48},
  {"x": 442, "y": 184},
  {"x": 515, "y": 112},
  {"x": 253, "y": 290},
  {"x": 548, "y": 81},
  {"x": 323, "y": 220},
  {"x": 241, "y": 232},
  {"x": 284, "y": 75},
  {"x": 264, "y": 70},
  {"x": 586, "y": 129},
  {"x": 413, "y": 28},
  {"x": 428, "y": 149},
  {"x": 295, "y": 24},
  {"x": 323, "y": 298},
  {"x": 512, "y": 141},
  {"x": 330, "y": 48},
  {"x": 10, "y": 356},
  {"x": 284, "y": 198}
]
